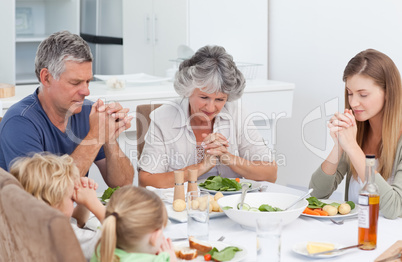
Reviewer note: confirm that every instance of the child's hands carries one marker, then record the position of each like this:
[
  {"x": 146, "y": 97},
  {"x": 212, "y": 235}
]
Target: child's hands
[
  {"x": 85, "y": 192},
  {"x": 167, "y": 246}
]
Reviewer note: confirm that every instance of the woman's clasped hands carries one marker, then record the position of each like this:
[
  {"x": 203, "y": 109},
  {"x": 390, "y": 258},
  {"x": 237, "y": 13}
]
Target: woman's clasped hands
[
  {"x": 343, "y": 129},
  {"x": 215, "y": 146}
]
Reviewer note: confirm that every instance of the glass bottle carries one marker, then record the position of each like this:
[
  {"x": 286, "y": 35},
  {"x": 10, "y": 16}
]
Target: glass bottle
[{"x": 369, "y": 206}]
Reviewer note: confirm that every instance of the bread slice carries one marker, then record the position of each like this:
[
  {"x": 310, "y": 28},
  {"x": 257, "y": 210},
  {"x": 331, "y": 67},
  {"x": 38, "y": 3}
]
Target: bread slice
[
  {"x": 201, "y": 246},
  {"x": 186, "y": 253}
]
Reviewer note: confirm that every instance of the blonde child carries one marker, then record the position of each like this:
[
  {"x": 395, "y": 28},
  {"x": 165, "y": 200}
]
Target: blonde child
[
  {"x": 56, "y": 181},
  {"x": 132, "y": 229}
]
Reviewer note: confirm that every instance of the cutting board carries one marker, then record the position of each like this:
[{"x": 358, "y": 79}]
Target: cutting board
[
  {"x": 6, "y": 90},
  {"x": 392, "y": 250}
]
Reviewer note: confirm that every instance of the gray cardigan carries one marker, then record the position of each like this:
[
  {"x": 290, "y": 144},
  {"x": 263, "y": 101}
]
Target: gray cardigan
[{"x": 390, "y": 195}]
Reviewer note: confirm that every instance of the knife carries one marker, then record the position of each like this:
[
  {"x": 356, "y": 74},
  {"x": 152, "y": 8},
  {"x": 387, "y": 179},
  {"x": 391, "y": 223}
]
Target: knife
[
  {"x": 335, "y": 250},
  {"x": 396, "y": 256},
  {"x": 179, "y": 239}
]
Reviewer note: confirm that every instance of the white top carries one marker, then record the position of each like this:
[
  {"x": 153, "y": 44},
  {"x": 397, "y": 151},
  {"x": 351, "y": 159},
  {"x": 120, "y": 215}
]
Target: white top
[
  {"x": 86, "y": 237},
  {"x": 356, "y": 185},
  {"x": 170, "y": 143}
]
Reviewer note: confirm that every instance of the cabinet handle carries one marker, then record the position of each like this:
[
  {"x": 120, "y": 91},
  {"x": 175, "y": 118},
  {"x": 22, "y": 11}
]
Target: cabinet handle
[
  {"x": 148, "y": 29},
  {"x": 155, "y": 29}
]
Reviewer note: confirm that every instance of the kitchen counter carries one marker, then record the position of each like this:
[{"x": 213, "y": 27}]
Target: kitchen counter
[{"x": 268, "y": 99}]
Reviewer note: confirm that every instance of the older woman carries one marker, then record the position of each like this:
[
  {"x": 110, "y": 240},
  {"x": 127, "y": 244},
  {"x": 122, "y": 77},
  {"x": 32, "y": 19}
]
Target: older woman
[{"x": 205, "y": 130}]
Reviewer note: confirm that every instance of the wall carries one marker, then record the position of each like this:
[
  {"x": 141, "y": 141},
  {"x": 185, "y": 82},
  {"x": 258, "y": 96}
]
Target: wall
[{"x": 310, "y": 43}]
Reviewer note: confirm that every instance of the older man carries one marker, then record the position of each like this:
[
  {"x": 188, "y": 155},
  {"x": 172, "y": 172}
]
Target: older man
[{"x": 57, "y": 118}]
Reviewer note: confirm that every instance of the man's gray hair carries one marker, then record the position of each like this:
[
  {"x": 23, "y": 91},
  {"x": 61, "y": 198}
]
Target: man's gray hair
[
  {"x": 58, "y": 48},
  {"x": 212, "y": 70}
]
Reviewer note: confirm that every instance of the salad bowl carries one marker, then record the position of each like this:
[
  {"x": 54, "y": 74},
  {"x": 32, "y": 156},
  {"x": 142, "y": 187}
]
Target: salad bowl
[{"x": 247, "y": 216}]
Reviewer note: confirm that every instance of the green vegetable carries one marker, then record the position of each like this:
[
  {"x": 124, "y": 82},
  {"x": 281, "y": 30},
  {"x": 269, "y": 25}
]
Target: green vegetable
[
  {"x": 227, "y": 208},
  {"x": 225, "y": 254},
  {"x": 313, "y": 202},
  {"x": 268, "y": 208},
  {"x": 351, "y": 204},
  {"x": 219, "y": 183},
  {"x": 108, "y": 193},
  {"x": 334, "y": 204},
  {"x": 245, "y": 206}
]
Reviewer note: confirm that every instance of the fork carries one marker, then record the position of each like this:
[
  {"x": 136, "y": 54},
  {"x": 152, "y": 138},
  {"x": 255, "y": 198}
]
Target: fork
[{"x": 221, "y": 238}]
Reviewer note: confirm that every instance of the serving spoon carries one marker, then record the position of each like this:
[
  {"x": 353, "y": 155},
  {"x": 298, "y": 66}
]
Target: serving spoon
[
  {"x": 244, "y": 188},
  {"x": 301, "y": 198}
]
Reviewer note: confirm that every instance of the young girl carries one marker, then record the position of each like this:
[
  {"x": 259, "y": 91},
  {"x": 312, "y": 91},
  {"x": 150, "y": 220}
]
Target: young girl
[
  {"x": 56, "y": 181},
  {"x": 132, "y": 229},
  {"x": 370, "y": 124}
]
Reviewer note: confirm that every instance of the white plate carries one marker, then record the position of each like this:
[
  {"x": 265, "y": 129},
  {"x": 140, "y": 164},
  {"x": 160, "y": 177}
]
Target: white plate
[
  {"x": 352, "y": 213},
  {"x": 182, "y": 216},
  {"x": 140, "y": 78},
  {"x": 301, "y": 248},
  {"x": 254, "y": 187},
  {"x": 239, "y": 256}
]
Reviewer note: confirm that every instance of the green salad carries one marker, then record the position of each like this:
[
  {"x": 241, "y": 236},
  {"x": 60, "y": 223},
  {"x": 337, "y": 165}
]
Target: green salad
[
  {"x": 225, "y": 254},
  {"x": 108, "y": 193},
  {"x": 219, "y": 183}
]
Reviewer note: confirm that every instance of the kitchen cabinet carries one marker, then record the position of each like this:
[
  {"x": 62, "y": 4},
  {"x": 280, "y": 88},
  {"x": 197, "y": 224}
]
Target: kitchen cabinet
[
  {"x": 153, "y": 30},
  {"x": 31, "y": 21}
]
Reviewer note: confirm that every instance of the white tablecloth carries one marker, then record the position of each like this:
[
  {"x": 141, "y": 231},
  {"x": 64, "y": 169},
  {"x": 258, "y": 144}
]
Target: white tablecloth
[{"x": 301, "y": 230}]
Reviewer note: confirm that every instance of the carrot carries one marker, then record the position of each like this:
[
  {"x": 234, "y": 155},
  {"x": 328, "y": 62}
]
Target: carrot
[
  {"x": 321, "y": 212},
  {"x": 237, "y": 179},
  {"x": 309, "y": 211}
]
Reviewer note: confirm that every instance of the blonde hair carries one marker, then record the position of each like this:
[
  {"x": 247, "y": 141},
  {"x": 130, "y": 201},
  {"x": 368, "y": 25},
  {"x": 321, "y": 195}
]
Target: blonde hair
[
  {"x": 384, "y": 72},
  {"x": 131, "y": 213},
  {"x": 46, "y": 176}
]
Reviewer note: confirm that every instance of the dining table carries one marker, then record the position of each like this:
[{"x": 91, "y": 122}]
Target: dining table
[{"x": 302, "y": 230}]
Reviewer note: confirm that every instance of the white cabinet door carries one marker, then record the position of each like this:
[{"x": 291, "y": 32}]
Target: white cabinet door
[
  {"x": 170, "y": 32},
  {"x": 137, "y": 38},
  {"x": 152, "y": 31}
]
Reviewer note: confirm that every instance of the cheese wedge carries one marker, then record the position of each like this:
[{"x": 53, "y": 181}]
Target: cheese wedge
[{"x": 315, "y": 247}]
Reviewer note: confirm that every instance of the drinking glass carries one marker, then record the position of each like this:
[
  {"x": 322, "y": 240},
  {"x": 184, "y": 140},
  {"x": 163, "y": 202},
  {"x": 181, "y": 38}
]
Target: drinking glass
[
  {"x": 268, "y": 240},
  {"x": 198, "y": 214}
]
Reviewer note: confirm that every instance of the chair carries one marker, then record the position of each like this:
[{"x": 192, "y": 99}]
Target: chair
[
  {"x": 142, "y": 122},
  {"x": 31, "y": 230}
]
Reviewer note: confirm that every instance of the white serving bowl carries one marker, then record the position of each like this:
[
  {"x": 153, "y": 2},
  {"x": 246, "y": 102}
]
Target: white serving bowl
[{"x": 248, "y": 218}]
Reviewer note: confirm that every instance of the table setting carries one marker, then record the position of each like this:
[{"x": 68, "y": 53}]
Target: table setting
[{"x": 339, "y": 231}]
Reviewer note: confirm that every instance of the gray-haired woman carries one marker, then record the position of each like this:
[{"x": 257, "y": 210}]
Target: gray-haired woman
[{"x": 205, "y": 130}]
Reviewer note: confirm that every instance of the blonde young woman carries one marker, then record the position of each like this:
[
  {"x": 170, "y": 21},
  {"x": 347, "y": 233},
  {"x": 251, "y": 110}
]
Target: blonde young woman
[
  {"x": 56, "y": 181},
  {"x": 132, "y": 229},
  {"x": 370, "y": 124}
]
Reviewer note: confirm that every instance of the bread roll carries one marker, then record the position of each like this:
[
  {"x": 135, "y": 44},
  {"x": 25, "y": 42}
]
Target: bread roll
[{"x": 186, "y": 253}]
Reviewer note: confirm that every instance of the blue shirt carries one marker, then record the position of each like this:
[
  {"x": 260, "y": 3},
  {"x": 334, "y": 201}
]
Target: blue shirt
[{"x": 26, "y": 129}]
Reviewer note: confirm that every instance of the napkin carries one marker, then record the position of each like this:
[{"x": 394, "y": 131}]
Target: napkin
[{"x": 166, "y": 194}]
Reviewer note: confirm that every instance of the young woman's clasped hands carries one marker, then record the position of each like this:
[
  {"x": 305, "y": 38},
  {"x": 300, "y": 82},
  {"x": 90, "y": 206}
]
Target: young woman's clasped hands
[{"x": 343, "y": 130}]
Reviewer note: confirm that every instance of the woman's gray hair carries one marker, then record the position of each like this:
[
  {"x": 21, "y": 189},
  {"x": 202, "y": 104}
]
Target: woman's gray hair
[
  {"x": 212, "y": 70},
  {"x": 58, "y": 48}
]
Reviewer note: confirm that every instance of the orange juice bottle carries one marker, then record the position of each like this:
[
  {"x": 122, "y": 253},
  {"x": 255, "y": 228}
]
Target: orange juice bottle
[{"x": 369, "y": 206}]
